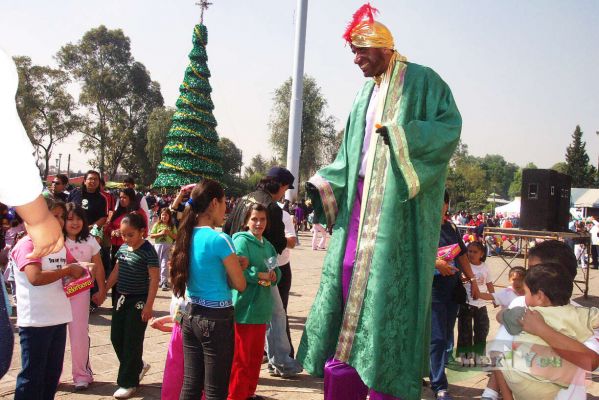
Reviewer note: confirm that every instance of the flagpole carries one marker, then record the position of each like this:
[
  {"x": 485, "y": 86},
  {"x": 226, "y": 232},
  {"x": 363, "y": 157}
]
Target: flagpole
[{"x": 297, "y": 97}]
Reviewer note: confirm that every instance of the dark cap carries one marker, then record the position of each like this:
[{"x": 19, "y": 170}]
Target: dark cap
[{"x": 282, "y": 175}]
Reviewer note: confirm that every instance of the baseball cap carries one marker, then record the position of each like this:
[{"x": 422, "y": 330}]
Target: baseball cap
[{"x": 282, "y": 175}]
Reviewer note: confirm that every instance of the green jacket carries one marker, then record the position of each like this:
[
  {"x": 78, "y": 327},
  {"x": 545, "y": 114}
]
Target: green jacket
[{"x": 254, "y": 304}]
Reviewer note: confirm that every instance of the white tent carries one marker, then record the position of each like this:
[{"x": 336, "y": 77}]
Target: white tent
[{"x": 510, "y": 209}]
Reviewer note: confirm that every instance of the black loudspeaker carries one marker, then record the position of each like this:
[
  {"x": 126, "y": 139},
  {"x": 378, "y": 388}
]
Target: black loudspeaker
[{"x": 545, "y": 201}]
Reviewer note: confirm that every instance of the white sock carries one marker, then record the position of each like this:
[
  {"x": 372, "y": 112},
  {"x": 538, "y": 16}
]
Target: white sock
[{"x": 490, "y": 394}]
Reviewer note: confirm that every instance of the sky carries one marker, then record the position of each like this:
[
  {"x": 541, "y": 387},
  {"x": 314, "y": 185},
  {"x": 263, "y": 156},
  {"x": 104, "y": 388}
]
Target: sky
[{"x": 523, "y": 73}]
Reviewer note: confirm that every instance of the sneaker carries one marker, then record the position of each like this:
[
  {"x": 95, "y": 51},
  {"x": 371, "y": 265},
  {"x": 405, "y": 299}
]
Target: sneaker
[
  {"x": 81, "y": 386},
  {"x": 144, "y": 370},
  {"x": 274, "y": 371},
  {"x": 92, "y": 308},
  {"x": 165, "y": 287},
  {"x": 443, "y": 395},
  {"x": 124, "y": 393}
]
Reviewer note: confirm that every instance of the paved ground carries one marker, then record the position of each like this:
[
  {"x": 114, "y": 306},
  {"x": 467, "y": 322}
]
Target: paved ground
[{"x": 306, "y": 265}]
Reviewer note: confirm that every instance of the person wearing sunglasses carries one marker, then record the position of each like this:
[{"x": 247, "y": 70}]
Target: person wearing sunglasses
[{"x": 57, "y": 190}]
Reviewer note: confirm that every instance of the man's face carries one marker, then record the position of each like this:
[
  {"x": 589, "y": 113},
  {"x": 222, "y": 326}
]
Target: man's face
[
  {"x": 130, "y": 185},
  {"x": 57, "y": 186},
  {"x": 92, "y": 182},
  {"x": 372, "y": 61}
]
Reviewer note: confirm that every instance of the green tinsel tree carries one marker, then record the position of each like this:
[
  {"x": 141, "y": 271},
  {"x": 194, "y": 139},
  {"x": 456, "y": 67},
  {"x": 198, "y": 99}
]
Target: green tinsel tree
[{"x": 191, "y": 151}]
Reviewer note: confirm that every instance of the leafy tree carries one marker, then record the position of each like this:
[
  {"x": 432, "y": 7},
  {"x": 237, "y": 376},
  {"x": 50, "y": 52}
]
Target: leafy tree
[
  {"x": 577, "y": 160},
  {"x": 499, "y": 173},
  {"x": 231, "y": 157},
  {"x": 132, "y": 115},
  {"x": 159, "y": 124},
  {"x": 318, "y": 128},
  {"x": 232, "y": 163},
  {"x": 258, "y": 165},
  {"x": 45, "y": 107},
  {"x": 117, "y": 94},
  {"x": 560, "y": 167}
]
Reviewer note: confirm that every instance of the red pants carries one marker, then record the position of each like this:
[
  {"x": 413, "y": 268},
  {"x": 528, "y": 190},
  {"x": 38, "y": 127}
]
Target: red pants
[{"x": 249, "y": 349}]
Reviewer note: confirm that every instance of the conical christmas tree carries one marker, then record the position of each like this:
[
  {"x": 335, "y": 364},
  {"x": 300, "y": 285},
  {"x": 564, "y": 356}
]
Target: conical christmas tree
[{"x": 191, "y": 151}]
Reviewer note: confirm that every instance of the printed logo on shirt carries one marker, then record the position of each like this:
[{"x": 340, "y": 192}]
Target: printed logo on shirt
[
  {"x": 58, "y": 261},
  {"x": 84, "y": 204},
  {"x": 140, "y": 305}
]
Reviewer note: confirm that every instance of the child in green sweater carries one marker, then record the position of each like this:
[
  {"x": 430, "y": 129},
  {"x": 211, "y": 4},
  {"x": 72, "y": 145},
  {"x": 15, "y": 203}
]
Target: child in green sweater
[{"x": 253, "y": 307}]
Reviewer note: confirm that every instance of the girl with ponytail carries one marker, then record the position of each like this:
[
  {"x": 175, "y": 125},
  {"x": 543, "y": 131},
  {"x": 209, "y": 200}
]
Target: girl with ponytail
[{"x": 204, "y": 268}]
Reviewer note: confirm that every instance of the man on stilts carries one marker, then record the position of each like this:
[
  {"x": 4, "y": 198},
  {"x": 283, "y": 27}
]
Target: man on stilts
[{"x": 369, "y": 329}]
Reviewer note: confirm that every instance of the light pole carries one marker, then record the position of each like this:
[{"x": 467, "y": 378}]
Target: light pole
[{"x": 297, "y": 97}]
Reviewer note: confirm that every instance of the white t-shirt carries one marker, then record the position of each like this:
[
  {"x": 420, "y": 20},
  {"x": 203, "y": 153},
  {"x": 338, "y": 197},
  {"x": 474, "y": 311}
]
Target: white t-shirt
[
  {"x": 20, "y": 181},
  {"x": 574, "y": 391},
  {"x": 370, "y": 113},
  {"x": 83, "y": 251},
  {"x": 285, "y": 256},
  {"x": 44, "y": 305},
  {"x": 483, "y": 276},
  {"x": 505, "y": 296}
]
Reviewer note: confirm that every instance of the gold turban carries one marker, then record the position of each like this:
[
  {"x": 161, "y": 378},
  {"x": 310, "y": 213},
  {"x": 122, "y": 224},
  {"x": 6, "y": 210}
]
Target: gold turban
[{"x": 364, "y": 31}]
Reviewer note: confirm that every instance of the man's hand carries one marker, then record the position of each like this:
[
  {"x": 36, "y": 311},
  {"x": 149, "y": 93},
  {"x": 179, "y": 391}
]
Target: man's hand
[
  {"x": 244, "y": 262},
  {"x": 46, "y": 236},
  {"x": 146, "y": 313},
  {"x": 444, "y": 268},
  {"x": 384, "y": 132}
]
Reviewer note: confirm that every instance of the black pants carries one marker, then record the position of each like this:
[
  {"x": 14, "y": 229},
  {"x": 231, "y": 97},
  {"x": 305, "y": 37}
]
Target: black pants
[
  {"x": 595, "y": 256},
  {"x": 473, "y": 328},
  {"x": 284, "y": 286},
  {"x": 114, "y": 293},
  {"x": 127, "y": 336},
  {"x": 106, "y": 262},
  {"x": 208, "y": 346}
]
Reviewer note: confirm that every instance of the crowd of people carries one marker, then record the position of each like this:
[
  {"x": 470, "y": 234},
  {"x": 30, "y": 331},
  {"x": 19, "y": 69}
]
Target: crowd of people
[{"x": 107, "y": 235}]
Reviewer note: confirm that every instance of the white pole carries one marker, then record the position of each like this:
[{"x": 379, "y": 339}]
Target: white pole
[{"x": 297, "y": 97}]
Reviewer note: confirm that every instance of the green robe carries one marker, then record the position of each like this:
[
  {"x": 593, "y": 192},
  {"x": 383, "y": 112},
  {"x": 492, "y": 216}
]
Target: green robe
[{"x": 386, "y": 323}]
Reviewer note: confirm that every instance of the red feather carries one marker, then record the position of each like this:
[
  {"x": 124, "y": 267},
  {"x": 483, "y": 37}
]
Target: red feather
[{"x": 364, "y": 12}]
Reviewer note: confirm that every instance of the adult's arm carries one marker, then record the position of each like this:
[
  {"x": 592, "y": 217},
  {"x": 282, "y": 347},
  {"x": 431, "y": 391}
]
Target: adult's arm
[
  {"x": 566, "y": 347},
  {"x": 43, "y": 229},
  {"x": 422, "y": 147},
  {"x": 467, "y": 270},
  {"x": 275, "y": 230}
]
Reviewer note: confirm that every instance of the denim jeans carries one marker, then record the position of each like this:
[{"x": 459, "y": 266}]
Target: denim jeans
[
  {"x": 444, "y": 314},
  {"x": 284, "y": 287},
  {"x": 6, "y": 336},
  {"x": 277, "y": 343},
  {"x": 42, "y": 355},
  {"x": 208, "y": 347}
]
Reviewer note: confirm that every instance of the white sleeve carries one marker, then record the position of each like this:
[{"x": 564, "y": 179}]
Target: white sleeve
[
  {"x": 93, "y": 243},
  {"x": 519, "y": 301},
  {"x": 289, "y": 228},
  {"x": 20, "y": 181}
]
